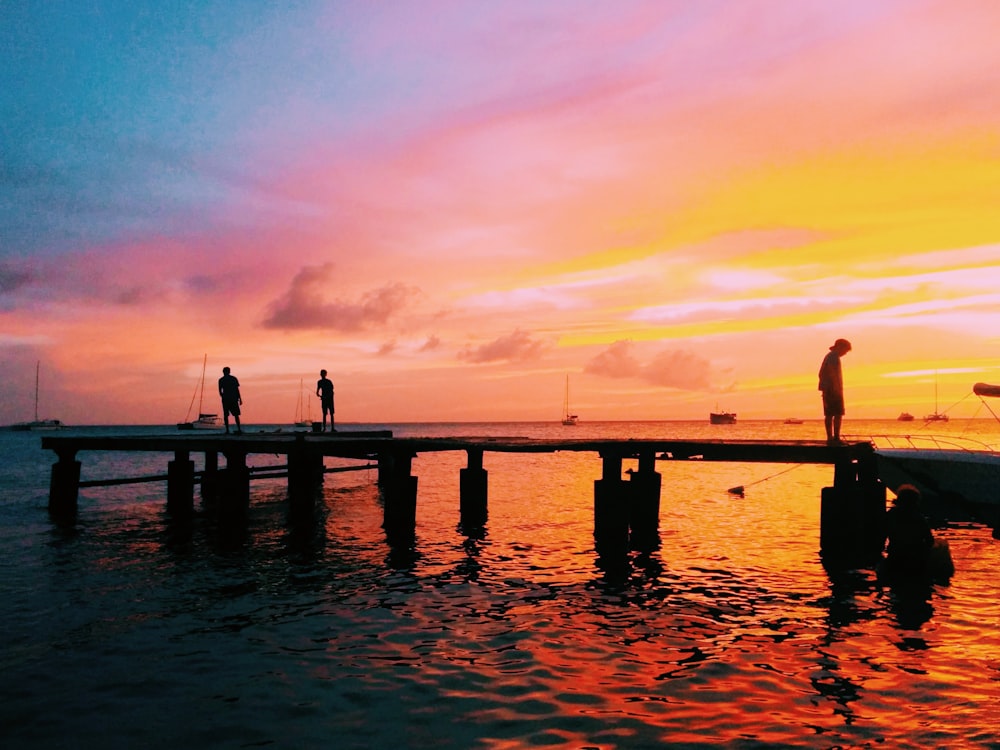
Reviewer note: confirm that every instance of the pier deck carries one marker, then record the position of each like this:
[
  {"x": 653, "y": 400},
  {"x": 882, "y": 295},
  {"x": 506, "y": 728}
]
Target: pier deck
[
  {"x": 352, "y": 444},
  {"x": 623, "y": 508}
]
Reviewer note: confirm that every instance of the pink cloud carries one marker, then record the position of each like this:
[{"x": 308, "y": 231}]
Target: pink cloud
[
  {"x": 517, "y": 346},
  {"x": 681, "y": 369},
  {"x": 303, "y": 306}
]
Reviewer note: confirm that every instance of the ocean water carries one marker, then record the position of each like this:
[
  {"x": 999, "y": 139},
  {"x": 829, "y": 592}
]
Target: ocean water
[{"x": 126, "y": 629}]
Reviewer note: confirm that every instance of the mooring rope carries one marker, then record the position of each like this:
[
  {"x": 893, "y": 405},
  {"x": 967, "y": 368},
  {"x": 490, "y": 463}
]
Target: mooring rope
[{"x": 740, "y": 489}]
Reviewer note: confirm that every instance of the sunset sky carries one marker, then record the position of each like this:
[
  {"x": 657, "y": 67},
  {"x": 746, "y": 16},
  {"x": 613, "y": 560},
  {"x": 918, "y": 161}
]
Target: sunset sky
[{"x": 453, "y": 206}]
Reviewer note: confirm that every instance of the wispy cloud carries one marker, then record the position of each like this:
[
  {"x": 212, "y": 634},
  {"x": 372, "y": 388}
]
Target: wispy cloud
[
  {"x": 304, "y": 305},
  {"x": 518, "y": 346},
  {"x": 672, "y": 368}
]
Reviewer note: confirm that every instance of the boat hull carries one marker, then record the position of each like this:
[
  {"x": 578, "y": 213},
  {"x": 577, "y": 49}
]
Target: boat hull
[
  {"x": 950, "y": 481},
  {"x": 204, "y": 422},
  {"x": 40, "y": 425},
  {"x": 722, "y": 417}
]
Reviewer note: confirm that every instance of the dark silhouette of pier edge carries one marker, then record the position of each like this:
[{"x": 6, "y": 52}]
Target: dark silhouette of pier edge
[{"x": 626, "y": 511}]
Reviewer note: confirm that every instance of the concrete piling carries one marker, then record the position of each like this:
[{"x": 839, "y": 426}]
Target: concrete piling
[
  {"x": 612, "y": 500},
  {"x": 399, "y": 494},
  {"x": 644, "y": 508},
  {"x": 473, "y": 488},
  {"x": 64, "y": 484},
  {"x": 180, "y": 485}
]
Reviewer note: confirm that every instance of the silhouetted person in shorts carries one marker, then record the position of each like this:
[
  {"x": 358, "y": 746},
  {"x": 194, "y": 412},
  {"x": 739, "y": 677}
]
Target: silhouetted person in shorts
[
  {"x": 831, "y": 384},
  {"x": 229, "y": 391},
  {"x": 324, "y": 389}
]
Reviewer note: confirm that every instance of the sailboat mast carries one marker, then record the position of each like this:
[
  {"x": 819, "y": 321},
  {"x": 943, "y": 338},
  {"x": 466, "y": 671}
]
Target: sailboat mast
[
  {"x": 201, "y": 397},
  {"x": 37, "y": 367}
]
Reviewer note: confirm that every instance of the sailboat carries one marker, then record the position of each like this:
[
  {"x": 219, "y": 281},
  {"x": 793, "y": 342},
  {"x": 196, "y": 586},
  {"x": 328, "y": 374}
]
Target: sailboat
[
  {"x": 568, "y": 419},
  {"x": 37, "y": 424},
  {"x": 936, "y": 416},
  {"x": 301, "y": 420},
  {"x": 204, "y": 421}
]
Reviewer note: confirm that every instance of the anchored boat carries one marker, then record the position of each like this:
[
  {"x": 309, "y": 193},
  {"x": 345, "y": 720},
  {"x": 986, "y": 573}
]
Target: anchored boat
[{"x": 952, "y": 473}]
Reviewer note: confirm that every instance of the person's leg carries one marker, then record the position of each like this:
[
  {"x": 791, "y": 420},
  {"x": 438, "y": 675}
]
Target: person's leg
[
  {"x": 836, "y": 427},
  {"x": 828, "y": 423}
]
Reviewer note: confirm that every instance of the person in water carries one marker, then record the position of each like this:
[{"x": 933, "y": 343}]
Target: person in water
[
  {"x": 324, "y": 389},
  {"x": 229, "y": 391},
  {"x": 831, "y": 385},
  {"x": 909, "y": 535}
]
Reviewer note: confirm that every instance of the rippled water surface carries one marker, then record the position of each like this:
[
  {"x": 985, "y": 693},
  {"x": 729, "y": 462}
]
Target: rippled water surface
[{"x": 127, "y": 629}]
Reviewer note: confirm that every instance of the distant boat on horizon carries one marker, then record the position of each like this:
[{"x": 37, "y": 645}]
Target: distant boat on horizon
[
  {"x": 722, "y": 417},
  {"x": 568, "y": 419},
  {"x": 936, "y": 416},
  {"x": 37, "y": 424},
  {"x": 301, "y": 420},
  {"x": 905, "y": 417},
  {"x": 204, "y": 421},
  {"x": 793, "y": 420}
]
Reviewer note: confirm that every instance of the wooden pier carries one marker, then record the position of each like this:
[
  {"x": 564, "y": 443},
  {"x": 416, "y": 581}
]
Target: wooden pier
[{"x": 626, "y": 511}]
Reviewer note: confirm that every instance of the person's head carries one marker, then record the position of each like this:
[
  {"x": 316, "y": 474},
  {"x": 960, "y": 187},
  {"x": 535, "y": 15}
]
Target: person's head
[
  {"x": 225, "y": 370},
  {"x": 907, "y": 496},
  {"x": 841, "y": 346},
  {"x": 322, "y": 373}
]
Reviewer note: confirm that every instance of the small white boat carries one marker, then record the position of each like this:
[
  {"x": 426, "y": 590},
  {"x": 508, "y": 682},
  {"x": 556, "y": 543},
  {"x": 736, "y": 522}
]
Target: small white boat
[
  {"x": 37, "y": 425},
  {"x": 301, "y": 420},
  {"x": 936, "y": 416},
  {"x": 204, "y": 421},
  {"x": 568, "y": 419},
  {"x": 952, "y": 473}
]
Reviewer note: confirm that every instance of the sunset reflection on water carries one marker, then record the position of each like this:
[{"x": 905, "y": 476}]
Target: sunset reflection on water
[{"x": 727, "y": 632}]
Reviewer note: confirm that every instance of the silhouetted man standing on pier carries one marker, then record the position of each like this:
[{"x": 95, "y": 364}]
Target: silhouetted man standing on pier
[
  {"x": 831, "y": 384},
  {"x": 229, "y": 391},
  {"x": 324, "y": 389}
]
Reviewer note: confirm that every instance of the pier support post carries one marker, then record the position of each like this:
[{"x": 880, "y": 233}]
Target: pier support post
[
  {"x": 611, "y": 504},
  {"x": 384, "y": 469},
  {"x": 210, "y": 477},
  {"x": 305, "y": 473},
  {"x": 236, "y": 483},
  {"x": 64, "y": 484},
  {"x": 644, "y": 513},
  {"x": 180, "y": 485},
  {"x": 400, "y": 495},
  {"x": 473, "y": 487},
  {"x": 852, "y": 514},
  {"x": 838, "y": 516}
]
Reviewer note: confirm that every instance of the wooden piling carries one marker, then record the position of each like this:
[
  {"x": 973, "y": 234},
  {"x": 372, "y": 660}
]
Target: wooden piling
[
  {"x": 235, "y": 484},
  {"x": 180, "y": 485},
  {"x": 473, "y": 488},
  {"x": 210, "y": 477},
  {"x": 305, "y": 473},
  {"x": 611, "y": 504},
  {"x": 64, "y": 483},
  {"x": 399, "y": 494},
  {"x": 644, "y": 501},
  {"x": 852, "y": 514}
]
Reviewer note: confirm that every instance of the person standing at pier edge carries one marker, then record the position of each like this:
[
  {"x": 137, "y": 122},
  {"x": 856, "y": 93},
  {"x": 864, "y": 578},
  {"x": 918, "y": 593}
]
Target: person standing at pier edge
[
  {"x": 324, "y": 389},
  {"x": 831, "y": 384},
  {"x": 229, "y": 391}
]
